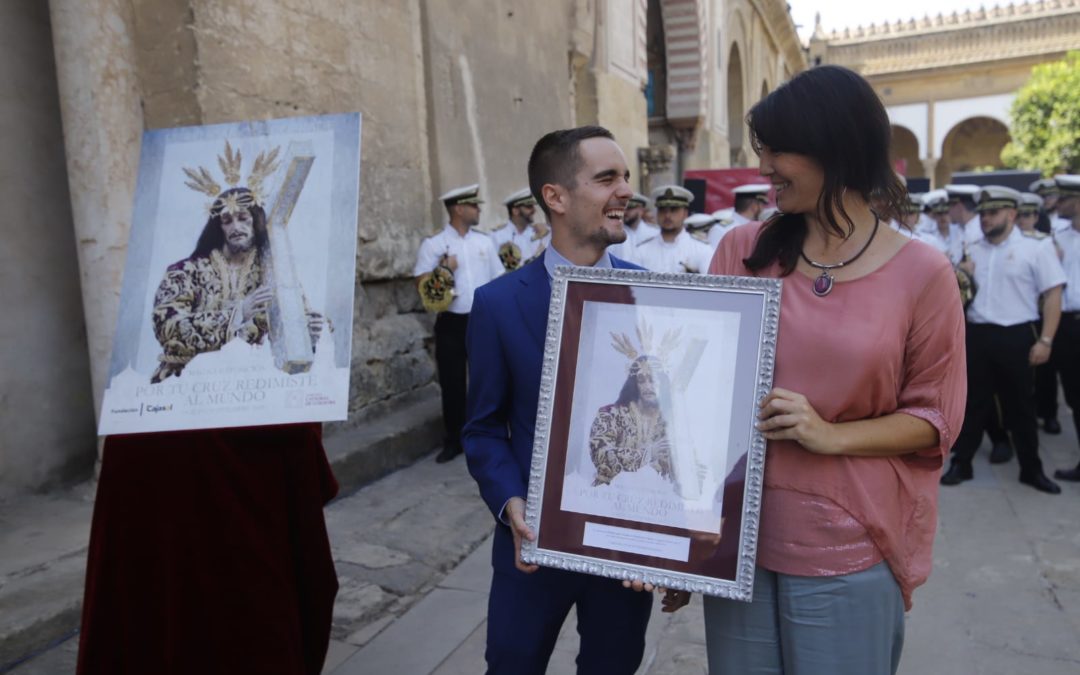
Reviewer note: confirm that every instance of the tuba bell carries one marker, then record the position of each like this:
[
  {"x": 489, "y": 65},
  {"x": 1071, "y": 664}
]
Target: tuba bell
[
  {"x": 510, "y": 256},
  {"x": 437, "y": 289}
]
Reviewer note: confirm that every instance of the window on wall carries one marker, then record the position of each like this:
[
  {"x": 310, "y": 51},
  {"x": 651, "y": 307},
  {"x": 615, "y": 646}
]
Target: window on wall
[{"x": 656, "y": 54}]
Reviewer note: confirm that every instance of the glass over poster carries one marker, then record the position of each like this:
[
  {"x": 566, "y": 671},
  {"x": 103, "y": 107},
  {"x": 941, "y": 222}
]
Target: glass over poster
[{"x": 647, "y": 462}]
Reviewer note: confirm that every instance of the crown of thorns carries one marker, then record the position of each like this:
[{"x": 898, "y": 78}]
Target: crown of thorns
[{"x": 201, "y": 180}]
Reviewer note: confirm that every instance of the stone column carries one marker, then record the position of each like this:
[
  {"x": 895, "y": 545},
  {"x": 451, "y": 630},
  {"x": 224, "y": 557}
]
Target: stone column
[
  {"x": 929, "y": 169},
  {"x": 102, "y": 119}
]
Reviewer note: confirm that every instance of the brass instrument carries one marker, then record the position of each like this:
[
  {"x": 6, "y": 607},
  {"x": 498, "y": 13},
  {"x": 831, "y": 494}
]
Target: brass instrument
[
  {"x": 966, "y": 281},
  {"x": 510, "y": 256},
  {"x": 437, "y": 287}
]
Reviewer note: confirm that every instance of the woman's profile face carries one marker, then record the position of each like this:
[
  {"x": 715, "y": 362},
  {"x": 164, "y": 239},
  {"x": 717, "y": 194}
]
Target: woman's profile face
[{"x": 797, "y": 179}]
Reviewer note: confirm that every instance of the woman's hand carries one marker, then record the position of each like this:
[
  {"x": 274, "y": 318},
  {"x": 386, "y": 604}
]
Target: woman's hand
[{"x": 787, "y": 415}]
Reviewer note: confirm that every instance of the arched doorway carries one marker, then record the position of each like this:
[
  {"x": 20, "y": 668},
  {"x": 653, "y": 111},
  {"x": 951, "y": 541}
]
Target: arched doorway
[
  {"x": 736, "y": 108},
  {"x": 904, "y": 153},
  {"x": 972, "y": 145}
]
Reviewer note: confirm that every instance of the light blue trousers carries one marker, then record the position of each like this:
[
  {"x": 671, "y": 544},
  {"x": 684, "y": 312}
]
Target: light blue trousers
[{"x": 844, "y": 625}]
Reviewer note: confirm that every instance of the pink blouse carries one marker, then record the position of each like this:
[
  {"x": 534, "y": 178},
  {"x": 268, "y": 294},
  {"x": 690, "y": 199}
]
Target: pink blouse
[{"x": 889, "y": 342}]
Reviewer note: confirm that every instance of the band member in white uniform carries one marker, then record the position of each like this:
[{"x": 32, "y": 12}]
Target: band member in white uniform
[
  {"x": 1066, "y": 354},
  {"x": 962, "y": 211},
  {"x": 520, "y": 239},
  {"x": 674, "y": 250},
  {"x": 637, "y": 230},
  {"x": 1012, "y": 270},
  {"x": 472, "y": 258},
  {"x": 945, "y": 236},
  {"x": 1050, "y": 220},
  {"x": 699, "y": 225},
  {"x": 750, "y": 200}
]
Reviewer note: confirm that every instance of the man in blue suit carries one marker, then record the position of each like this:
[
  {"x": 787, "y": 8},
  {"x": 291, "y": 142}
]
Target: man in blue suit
[{"x": 580, "y": 179}]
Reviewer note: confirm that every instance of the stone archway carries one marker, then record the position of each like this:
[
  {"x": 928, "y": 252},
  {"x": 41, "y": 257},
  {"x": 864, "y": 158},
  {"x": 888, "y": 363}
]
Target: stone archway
[
  {"x": 904, "y": 153},
  {"x": 971, "y": 145},
  {"x": 736, "y": 107}
]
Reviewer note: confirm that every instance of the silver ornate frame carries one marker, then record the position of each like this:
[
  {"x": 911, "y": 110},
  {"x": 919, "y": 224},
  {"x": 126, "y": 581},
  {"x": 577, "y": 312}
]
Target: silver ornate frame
[{"x": 742, "y": 587}]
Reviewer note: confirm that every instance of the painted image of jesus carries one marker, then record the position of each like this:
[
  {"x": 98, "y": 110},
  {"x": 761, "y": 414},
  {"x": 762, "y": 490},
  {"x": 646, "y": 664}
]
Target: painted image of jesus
[
  {"x": 222, "y": 290},
  {"x": 631, "y": 432}
]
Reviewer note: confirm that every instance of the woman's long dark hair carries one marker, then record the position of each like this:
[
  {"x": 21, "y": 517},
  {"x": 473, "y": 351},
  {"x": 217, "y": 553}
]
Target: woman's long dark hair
[
  {"x": 833, "y": 116},
  {"x": 213, "y": 237}
]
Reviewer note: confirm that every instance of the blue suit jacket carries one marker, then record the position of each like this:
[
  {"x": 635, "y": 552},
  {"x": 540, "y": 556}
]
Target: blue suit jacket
[{"x": 507, "y": 328}]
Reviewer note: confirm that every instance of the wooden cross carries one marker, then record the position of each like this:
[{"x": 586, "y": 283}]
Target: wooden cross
[{"x": 290, "y": 339}]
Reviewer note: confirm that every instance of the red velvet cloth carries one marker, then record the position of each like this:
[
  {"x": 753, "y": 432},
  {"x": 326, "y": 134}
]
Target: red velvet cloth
[{"x": 209, "y": 554}]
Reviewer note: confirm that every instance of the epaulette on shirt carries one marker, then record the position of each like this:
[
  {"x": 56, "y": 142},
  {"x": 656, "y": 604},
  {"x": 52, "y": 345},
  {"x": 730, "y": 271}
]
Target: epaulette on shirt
[{"x": 1034, "y": 234}]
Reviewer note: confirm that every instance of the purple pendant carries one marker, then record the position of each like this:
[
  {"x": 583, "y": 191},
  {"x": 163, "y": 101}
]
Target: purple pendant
[{"x": 823, "y": 284}]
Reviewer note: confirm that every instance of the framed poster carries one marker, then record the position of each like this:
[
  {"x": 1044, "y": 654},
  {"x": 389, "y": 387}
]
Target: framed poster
[
  {"x": 647, "y": 462},
  {"x": 237, "y": 302}
]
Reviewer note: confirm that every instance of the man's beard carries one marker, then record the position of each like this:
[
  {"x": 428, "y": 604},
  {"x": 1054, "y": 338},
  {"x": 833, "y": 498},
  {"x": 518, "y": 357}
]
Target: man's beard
[
  {"x": 995, "y": 232},
  {"x": 238, "y": 247}
]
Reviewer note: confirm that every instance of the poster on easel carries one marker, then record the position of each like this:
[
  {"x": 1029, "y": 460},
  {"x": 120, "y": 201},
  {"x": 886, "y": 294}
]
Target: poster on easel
[{"x": 237, "y": 301}]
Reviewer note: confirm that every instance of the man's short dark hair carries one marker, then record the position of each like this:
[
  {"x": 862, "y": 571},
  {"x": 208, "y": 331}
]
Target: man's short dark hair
[
  {"x": 743, "y": 202},
  {"x": 555, "y": 159}
]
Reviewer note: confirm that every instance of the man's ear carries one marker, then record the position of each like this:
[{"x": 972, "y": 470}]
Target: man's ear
[{"x": 555, "y": 198}]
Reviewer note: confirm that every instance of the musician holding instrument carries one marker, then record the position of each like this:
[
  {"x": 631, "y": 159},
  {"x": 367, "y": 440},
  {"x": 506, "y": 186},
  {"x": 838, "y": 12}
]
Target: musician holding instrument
[
  {"x": 1011, "y": 270},
  {"x": 450, "y": 266},
  {"x": 519, "y": 240}
]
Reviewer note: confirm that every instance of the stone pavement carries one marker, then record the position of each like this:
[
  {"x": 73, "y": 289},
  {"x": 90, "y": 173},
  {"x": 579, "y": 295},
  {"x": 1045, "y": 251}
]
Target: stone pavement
[
  {"x": 1004, "y": 597},
  {"x": 412, "y": 553}
]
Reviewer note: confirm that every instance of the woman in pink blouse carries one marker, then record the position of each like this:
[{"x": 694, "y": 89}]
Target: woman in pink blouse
[{"x": 869, "y": 392}]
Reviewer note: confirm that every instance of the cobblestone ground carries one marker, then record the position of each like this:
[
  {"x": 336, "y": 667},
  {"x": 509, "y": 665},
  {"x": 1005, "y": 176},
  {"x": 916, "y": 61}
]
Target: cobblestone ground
[{"x": 412, "y": 553}]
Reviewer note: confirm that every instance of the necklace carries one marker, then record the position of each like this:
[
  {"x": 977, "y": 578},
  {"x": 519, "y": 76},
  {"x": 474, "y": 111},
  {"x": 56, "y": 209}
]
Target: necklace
[{"x": 824, "y": 283}]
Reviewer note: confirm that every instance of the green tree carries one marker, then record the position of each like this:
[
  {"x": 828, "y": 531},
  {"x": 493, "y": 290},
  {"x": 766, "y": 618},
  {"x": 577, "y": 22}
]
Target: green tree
[{"x": 1045, "y": 116}]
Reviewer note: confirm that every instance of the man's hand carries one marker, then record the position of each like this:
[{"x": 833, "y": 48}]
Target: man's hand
[
  {"x": 449, "y": 261},
  {"x": 515, "y": 514},
  {"x": 257, "y": 301},
  {"x": 1039, "y": 354}
]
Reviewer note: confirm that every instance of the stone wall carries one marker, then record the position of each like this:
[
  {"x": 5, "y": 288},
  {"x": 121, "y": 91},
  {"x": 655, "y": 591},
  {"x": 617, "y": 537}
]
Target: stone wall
[
  {"x": 46, "y": 408},
  {"x": 492, "y": 92}
]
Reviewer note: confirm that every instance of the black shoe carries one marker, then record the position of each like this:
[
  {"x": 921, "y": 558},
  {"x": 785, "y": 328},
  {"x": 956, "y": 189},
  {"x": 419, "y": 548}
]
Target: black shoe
[
  {"x": 1001, "y": 452},
  {"x": 448, "y": 453},
  {"x": 1071, "y": 475},
  {"x": 1040, "y": 482},
  {"x": 957, "y": 473},
  {"x": 1052, "y": 426}
]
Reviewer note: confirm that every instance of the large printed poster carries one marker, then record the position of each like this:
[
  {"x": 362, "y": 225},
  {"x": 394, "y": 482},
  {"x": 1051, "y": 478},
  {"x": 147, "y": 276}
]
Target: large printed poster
[{"x": 237, "y": 301}]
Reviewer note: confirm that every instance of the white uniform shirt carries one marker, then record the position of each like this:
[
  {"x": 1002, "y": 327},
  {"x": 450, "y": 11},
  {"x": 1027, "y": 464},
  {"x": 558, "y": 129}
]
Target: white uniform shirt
[
  {"x": 635, "y": 236},
  {"x": 973, "y": 231},
  {"x": 1011, "y": 276},
  {"x": 1058, "y": 223},
  {"x": 526, "y": 240},
  {"x": 926, "y": 223},
  {"x": 685, "y": 254},
  {"x": 952, "y": 246},
  {"x": 477, "y": 263},
  {"x": 718, "y": 231},
  {"x": 1069, "y": 242}
]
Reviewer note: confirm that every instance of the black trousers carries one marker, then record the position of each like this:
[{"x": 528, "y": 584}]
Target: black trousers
[
  {"x": 1066, "y": 356},
  {"x": 452, "y": 367},
  {"x": 997, "y": 361},
  {"x": 1046, "y": 386}
]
